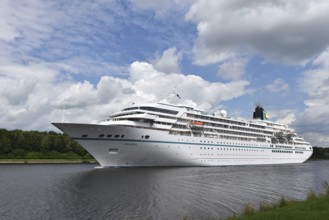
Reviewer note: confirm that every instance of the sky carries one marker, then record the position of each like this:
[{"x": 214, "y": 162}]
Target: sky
[{"x": 97, "y": 57}]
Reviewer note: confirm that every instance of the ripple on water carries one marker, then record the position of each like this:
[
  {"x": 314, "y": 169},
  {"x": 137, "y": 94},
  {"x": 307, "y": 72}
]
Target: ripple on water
[{"x": 82, "y": 192}]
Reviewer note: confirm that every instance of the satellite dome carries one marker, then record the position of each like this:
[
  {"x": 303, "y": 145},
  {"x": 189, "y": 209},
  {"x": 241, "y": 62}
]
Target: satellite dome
[{"x": 223, "y": 113}]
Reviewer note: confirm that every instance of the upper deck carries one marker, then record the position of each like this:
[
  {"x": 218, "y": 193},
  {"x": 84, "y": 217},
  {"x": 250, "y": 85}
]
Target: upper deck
[{"x": 180, "y": 120}]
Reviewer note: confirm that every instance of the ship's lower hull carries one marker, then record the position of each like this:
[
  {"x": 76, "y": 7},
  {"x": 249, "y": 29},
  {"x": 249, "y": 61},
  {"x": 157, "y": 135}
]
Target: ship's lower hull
[{"x": 123, "y": 146}]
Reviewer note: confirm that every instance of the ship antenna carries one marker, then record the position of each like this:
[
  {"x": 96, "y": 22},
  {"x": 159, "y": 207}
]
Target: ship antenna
[
  {"x": 63, "y": 111},
  {"x": 173, "y": 94}
]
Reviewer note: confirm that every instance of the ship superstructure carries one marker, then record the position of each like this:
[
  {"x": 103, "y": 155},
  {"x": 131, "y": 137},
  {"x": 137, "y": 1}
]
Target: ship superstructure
[{"x": 162, "y": 134}]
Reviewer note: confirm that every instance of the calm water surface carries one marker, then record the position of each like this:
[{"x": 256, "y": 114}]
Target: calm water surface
[{"x": 83, "y": 192}]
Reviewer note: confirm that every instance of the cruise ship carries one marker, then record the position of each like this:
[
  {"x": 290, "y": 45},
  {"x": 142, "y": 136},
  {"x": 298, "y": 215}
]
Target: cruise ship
[{"x": 162, "y": 134}]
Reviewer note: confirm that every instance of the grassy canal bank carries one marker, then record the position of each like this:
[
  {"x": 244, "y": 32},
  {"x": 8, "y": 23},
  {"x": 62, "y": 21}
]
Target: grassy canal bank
[{"x": 315, "y": 207}]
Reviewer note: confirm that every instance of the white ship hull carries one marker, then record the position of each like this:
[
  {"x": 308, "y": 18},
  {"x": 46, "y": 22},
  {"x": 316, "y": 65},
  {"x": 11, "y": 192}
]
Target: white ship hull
[{"x": 124, "y": 146}]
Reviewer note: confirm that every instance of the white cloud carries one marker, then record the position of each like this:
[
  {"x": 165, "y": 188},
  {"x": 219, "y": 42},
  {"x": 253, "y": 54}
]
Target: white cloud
[
  {"x": 141, "y": 71},
  {"x": 232, "y": 69},
  {"x": 163, "y": 8},
  {"x": 86, "y": 66},
  {"x": 278, "y": 85},
  {"x": 283, "y": 116},
  {"x": 323, "y": 59},
  {"x": 156, "y": 85},
  {"x": 287, "y": 119},
  {"x": 59, "y": 33},
  {"x": 24, "y": 19},
  {"x": 44, "y": 97},
  {"x": 47, "y": 45},
  {"x": 78, "y": 95},
  {"x": 314, "y": 121},
  {"x": 16, "y": 94},
  {"x": 281, "y": 31},
  {"x": 169, "y": 61},
  {"x": 316, "y": 138}
]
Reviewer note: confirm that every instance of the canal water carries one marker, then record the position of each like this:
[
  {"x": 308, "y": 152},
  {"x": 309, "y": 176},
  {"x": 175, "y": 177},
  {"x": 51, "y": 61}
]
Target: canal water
[{"x": 85, "y": 192}]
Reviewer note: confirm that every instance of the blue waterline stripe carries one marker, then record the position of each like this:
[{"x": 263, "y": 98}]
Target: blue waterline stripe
[{"x": 185, "y": 143}]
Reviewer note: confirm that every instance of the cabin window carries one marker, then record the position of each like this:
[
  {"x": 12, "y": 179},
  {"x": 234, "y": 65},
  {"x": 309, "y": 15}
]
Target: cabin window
[
  {"x": 84, "y": 135},
  {"x": 160, "y": 110},
  {"x": 116, "y": 136},
  {"x": 101, "y": 135},
  {"x": 147, "y": 136},
  {"x": 109, "y": 135}
]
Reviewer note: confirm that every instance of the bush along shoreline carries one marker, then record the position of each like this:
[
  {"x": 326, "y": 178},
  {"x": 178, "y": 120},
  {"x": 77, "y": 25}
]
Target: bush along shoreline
[
  {"x": 19, "y": 146},
  {"x": 315, "y": 207}
]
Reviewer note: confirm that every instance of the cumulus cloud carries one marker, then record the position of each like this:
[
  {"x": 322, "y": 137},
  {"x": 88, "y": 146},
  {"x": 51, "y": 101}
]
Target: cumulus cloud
[
  {"x": 281, "y": 31},
  {"x": 232, "y": 69},
  {"x": 34, "y": 104},
  {"x": 24, "y": 98},
  {"x": 286, "y": 119},
  {"x": 316, "y": 138},
  {"x": 169, "y": 61},
  {"x": 278, "y": 85},
  {"x": 31, "y": 22},
  {"x": 159, "y": 84},
  {"x": 315, "y": 118},
  {"x": 18, "y": 93}
]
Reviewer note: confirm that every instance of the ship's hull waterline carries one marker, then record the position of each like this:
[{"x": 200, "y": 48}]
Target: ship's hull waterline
[{"x": 125, "y": 146}]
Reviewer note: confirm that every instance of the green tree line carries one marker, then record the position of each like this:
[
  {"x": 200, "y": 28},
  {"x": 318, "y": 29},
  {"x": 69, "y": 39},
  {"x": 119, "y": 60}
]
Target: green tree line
[
  {"x": 320, "y": 153},
  {"x": 18, "y": 144}
]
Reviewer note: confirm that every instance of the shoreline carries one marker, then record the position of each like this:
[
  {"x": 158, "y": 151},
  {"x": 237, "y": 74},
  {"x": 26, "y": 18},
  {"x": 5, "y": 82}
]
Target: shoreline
[
  {"x": 65, "y": 161},
  {"x": 315, "y": 206},
  {"x": 47, "y": 161}
]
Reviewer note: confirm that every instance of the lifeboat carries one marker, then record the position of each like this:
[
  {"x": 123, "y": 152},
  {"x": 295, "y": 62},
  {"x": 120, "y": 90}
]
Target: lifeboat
[{"x": 196, "y": 124}]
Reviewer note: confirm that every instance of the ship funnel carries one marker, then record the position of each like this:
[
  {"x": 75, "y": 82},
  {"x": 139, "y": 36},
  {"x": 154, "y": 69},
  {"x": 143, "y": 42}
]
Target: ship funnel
[{"x": 259, "y": 113}]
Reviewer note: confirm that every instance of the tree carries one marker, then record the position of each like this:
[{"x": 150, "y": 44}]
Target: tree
[
  {"x": 5, "y": 145},
  {"x": 18, "y": 153},
  {"x": 38, "y": 145},
  {"x": 45, "y": 144}
]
